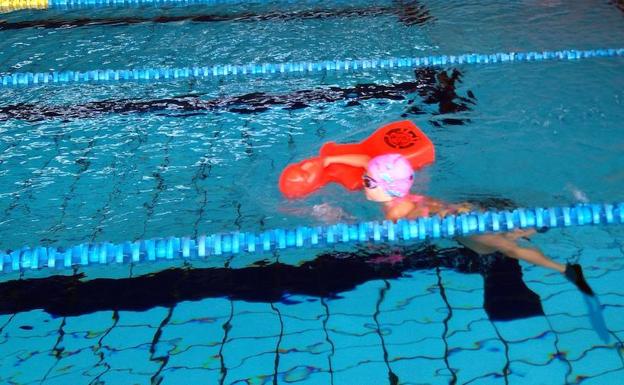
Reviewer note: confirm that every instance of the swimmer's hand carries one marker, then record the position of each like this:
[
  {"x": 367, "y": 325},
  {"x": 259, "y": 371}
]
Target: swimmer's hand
[
  {"x": 329, "y": 214},
  {"x": 312, "y": 169}
]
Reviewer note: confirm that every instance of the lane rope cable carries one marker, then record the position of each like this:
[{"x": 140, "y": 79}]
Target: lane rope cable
[
  {"x": 17, "y": 5},
  {"x": 218, "y": 71},
  {"x": 303, "y": 237}
]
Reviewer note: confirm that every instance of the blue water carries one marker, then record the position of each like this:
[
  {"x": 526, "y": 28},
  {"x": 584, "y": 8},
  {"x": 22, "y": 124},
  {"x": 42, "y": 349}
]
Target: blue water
[{"x": 534, "y": 133}]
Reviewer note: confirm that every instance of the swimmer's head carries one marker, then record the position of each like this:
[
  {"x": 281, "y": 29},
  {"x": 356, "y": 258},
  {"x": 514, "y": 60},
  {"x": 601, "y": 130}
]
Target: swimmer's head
[{"x": 390, "y": 173}]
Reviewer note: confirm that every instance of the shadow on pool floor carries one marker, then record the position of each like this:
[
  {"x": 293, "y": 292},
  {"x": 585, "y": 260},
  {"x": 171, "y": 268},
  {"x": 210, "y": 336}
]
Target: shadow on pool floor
[{"x": 506, "y": 296}]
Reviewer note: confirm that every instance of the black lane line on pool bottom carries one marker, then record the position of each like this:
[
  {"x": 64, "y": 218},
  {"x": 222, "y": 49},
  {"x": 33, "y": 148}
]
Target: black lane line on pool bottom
[
  {"x": 435, "y": 87},
  {"x": 506, "y": 296},
  {"x": 407, "y": 12}
]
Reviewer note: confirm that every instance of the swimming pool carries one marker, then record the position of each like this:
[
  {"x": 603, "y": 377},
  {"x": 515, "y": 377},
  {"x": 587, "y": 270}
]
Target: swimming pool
[{"x": 135, "y": 160}]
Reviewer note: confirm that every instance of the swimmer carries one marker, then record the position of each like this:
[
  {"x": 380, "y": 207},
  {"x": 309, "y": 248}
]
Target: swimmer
[{"x": 388, "y": 180}]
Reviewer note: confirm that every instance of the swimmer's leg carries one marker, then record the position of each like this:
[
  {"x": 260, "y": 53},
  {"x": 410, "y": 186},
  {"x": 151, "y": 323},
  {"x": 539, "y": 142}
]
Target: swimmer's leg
[
  {"x": 519, "y": 234},
  {"x": 506, "y": 244}
]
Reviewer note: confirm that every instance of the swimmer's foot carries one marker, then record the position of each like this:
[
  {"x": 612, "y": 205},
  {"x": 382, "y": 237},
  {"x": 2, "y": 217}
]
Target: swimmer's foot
[{"x": 574, "y": 273}]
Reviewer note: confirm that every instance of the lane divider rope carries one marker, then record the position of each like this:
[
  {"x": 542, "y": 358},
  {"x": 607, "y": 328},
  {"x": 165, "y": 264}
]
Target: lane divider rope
[
  {"x": 217, "y": 71},
  {"x": 16, "y": 5},
  {"x": 303, "y": 237}
]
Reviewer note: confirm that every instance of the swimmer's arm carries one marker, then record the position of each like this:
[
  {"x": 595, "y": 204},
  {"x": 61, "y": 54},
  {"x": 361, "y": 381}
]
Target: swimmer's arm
[
  {"x": 442, "y": 208},
  {"x": 354, "y": 160},
  {"x": 429, "y": 206}
]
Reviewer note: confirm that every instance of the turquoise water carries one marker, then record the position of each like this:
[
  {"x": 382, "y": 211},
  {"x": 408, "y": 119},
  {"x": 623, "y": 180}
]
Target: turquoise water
[{"x": 92, "y": 163}]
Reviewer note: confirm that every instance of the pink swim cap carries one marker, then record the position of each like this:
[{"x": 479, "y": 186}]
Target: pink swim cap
[{"x": 393, "y": 173}]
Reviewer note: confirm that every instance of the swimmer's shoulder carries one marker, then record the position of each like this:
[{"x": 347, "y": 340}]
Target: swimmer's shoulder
[{"x": 401, "y": 208}]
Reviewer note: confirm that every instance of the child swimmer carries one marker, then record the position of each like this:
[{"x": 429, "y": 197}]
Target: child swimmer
[{"x": 388, "y": 180}]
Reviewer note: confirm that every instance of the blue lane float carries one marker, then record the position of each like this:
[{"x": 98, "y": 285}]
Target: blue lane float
[
  {"x": 24, "y": 79},
  {"x": 227, "y": 244}
]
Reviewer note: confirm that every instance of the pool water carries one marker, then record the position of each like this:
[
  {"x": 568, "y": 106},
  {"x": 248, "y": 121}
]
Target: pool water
[{"x": 117, "y": 162}]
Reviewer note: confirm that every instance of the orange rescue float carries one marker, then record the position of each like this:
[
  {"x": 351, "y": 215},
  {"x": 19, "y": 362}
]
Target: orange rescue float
[{"x": 303, "y": 178}]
